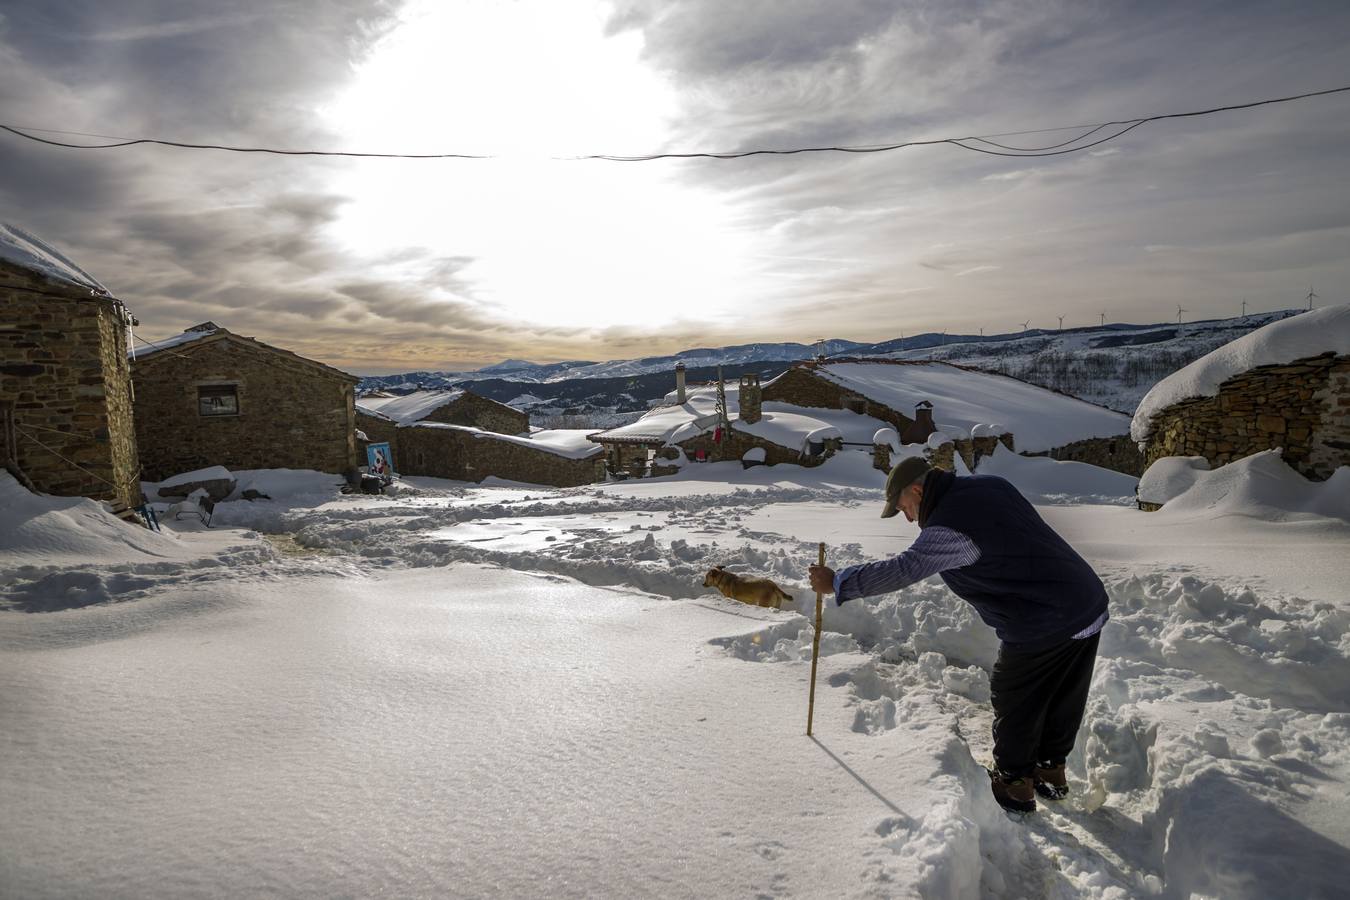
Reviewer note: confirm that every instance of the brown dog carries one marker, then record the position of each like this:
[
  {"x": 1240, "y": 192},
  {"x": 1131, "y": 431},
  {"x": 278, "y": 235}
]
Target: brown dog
[{"x": 746, "y": 588}]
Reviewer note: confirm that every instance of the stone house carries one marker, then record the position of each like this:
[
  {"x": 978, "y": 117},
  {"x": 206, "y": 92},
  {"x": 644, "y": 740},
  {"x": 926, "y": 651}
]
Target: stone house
[
  {"x": 919, "y": 398},
  {"x": 690, "y": 429},
  {"x": 379, "y": 417},
  {"x": 463, "y": 453},
  {"x": 1285, "y": 385},
  {"x": 210, "y": 397},
  {"x": 65, "y": 386},
  {"x": 457, "y": 406},
  {"x": 1302, "y": 407}
]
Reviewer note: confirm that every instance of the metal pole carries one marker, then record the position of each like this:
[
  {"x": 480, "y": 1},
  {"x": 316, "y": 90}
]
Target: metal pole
[{"x": 815, "y": 650}]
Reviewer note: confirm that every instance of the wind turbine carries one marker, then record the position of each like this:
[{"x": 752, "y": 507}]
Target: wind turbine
[
  {"x": 1025, "y": 324},
  {"x": 1179, "y": 312},
  {"x": 1103, "y": 315},
  {"x": 1311, "y": 297},
  {"x": 1061, "y": 323},
  {"x": 1244, "y": 309}
]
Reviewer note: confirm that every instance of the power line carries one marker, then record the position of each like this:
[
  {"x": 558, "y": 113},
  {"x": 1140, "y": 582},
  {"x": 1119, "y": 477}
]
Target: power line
[{"x": 1123, "y": 126}]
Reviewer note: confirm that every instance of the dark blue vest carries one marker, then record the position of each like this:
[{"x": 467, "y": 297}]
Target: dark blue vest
[{"x": 1028, "y": 584}]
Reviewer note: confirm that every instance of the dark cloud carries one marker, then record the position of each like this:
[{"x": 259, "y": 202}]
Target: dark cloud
[{"x": 864, "y": 246}]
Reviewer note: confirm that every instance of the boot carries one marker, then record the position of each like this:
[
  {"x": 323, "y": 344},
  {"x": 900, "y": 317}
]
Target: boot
[
  {"x": 1050, "y": 781},
  {"x": 1016, "y": 794}
]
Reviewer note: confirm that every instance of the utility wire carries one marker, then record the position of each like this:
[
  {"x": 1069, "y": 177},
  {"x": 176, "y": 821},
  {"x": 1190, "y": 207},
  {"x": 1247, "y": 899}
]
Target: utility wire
[{"x": 1125, "y": 125}]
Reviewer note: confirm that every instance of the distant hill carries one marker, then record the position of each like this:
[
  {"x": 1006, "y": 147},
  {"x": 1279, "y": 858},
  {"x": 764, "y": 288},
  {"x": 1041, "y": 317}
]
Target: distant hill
[{"x": 1112, "y": 365}]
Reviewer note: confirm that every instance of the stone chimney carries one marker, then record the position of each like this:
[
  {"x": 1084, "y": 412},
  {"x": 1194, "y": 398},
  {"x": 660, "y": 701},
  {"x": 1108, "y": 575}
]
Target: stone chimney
[
  {"x": 922, "y": 427},
  {"x": 679, "y": 383},
  {"x": 751, "y": 399}
]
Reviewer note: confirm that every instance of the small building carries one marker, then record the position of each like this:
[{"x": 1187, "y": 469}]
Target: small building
[
  {"x": 918, "y": 399},
  {"x": 1284, "y": 385},
  {"x": 381, "y": 416},
  {"x": 209, "y": 397},
  {"x": 560, "y": 458},
  {"x": 379, "y": 413},
  {"x": 65, "y": 386},
  {"x": 689, "y": 428}
]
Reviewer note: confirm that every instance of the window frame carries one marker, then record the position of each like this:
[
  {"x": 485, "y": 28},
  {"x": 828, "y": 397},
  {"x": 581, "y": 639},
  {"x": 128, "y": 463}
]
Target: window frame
[{"x": 205, "y": 391}]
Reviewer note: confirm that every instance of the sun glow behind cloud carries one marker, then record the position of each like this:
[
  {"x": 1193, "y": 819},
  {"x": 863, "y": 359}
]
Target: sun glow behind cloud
[{"x": 580, "y": 244}]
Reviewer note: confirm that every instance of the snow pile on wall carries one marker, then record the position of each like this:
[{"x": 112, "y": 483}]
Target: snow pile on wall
[
  {"x": 1171, "y": 476},
  {"x": 211, "y": 473},
  {"x": 569, "y": 442},
  {"x": 1263, "y": 486},
  {"x": 1308, "y": 334},
  {"x": 1042, "y": 479}
]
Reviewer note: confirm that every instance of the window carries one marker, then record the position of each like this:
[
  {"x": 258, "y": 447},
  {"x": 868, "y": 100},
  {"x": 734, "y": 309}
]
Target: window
[{"x": 218, "y": 400}]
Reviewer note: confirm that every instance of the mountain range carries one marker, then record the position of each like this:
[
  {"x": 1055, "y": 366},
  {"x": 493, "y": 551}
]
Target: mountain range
[{"x": 1112, "y": 364}]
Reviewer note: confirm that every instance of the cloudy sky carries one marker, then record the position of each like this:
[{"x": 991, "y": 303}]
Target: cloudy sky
[{"x": 393, "y": 265}]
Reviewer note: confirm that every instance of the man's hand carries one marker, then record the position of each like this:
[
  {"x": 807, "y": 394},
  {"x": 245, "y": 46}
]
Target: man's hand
[{"x": 822, "y": 579}]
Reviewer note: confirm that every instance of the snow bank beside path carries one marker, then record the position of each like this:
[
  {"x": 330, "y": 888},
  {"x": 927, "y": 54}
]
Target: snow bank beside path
[
  {"x": 61, "y": 553},
  {"x": 1260, "y": 485},
  {"x": 1307, "y": 334},
  {"x": 41, "y": 530}
]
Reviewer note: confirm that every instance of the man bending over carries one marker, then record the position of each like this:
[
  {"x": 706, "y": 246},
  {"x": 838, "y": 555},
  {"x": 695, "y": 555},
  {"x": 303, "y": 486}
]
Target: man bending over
[{"x": 1043, "y": 600}]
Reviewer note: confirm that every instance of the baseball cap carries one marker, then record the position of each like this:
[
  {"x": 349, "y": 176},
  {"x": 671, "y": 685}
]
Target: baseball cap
[{"x": 902, "y": 476}]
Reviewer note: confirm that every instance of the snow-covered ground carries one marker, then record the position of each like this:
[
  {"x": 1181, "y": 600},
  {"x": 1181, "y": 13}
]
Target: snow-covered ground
[{"x": 506, "y": 690}]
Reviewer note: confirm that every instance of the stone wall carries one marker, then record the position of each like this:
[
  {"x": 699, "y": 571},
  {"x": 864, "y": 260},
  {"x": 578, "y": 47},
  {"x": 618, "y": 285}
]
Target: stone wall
[
  {"x": 735, "y": 444},
  {"x": 624, "y": 460},
  {"x": 292, "y": 413},
  {"x": 466, "y": 455},
  {"x": 377, "y": 431},
  {"x": 1300, "y": 406},
  {"x": 1119, "y": 453},
  {"x": 65, "y": 384},
  {"x": 1331, "y": 439},
  {"x": 479, "y": 412},
  {"x": 801, "y": 386}
]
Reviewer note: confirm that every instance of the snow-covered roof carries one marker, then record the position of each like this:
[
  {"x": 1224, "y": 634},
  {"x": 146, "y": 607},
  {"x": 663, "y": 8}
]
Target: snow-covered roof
[
  {"x": 141, "y": 347},
  {"x": 409, "y": 408},
  {"x": 207, "y": 332},
  {"x": 666, "y": 424},
  {"x": 1307, "y": 334},
  {"x": 21, "y": 249},
  {"x": 787, "y": 426},
  {"x": 568, "y": 442},
  {"x": 1040, "y": 419},
  {"x": 786, "y": 429}
]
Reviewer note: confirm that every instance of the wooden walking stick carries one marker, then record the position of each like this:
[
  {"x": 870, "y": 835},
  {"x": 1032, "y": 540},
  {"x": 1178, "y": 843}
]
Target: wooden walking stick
[{"x": 815, "y": 650}]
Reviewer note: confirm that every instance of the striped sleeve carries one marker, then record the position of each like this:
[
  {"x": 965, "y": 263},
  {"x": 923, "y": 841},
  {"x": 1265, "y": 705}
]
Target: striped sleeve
[{"x": 935, "y": 550}]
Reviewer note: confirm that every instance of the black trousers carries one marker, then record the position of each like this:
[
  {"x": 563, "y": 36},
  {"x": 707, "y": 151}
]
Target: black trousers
[{"x": 1038, "y": 703}]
